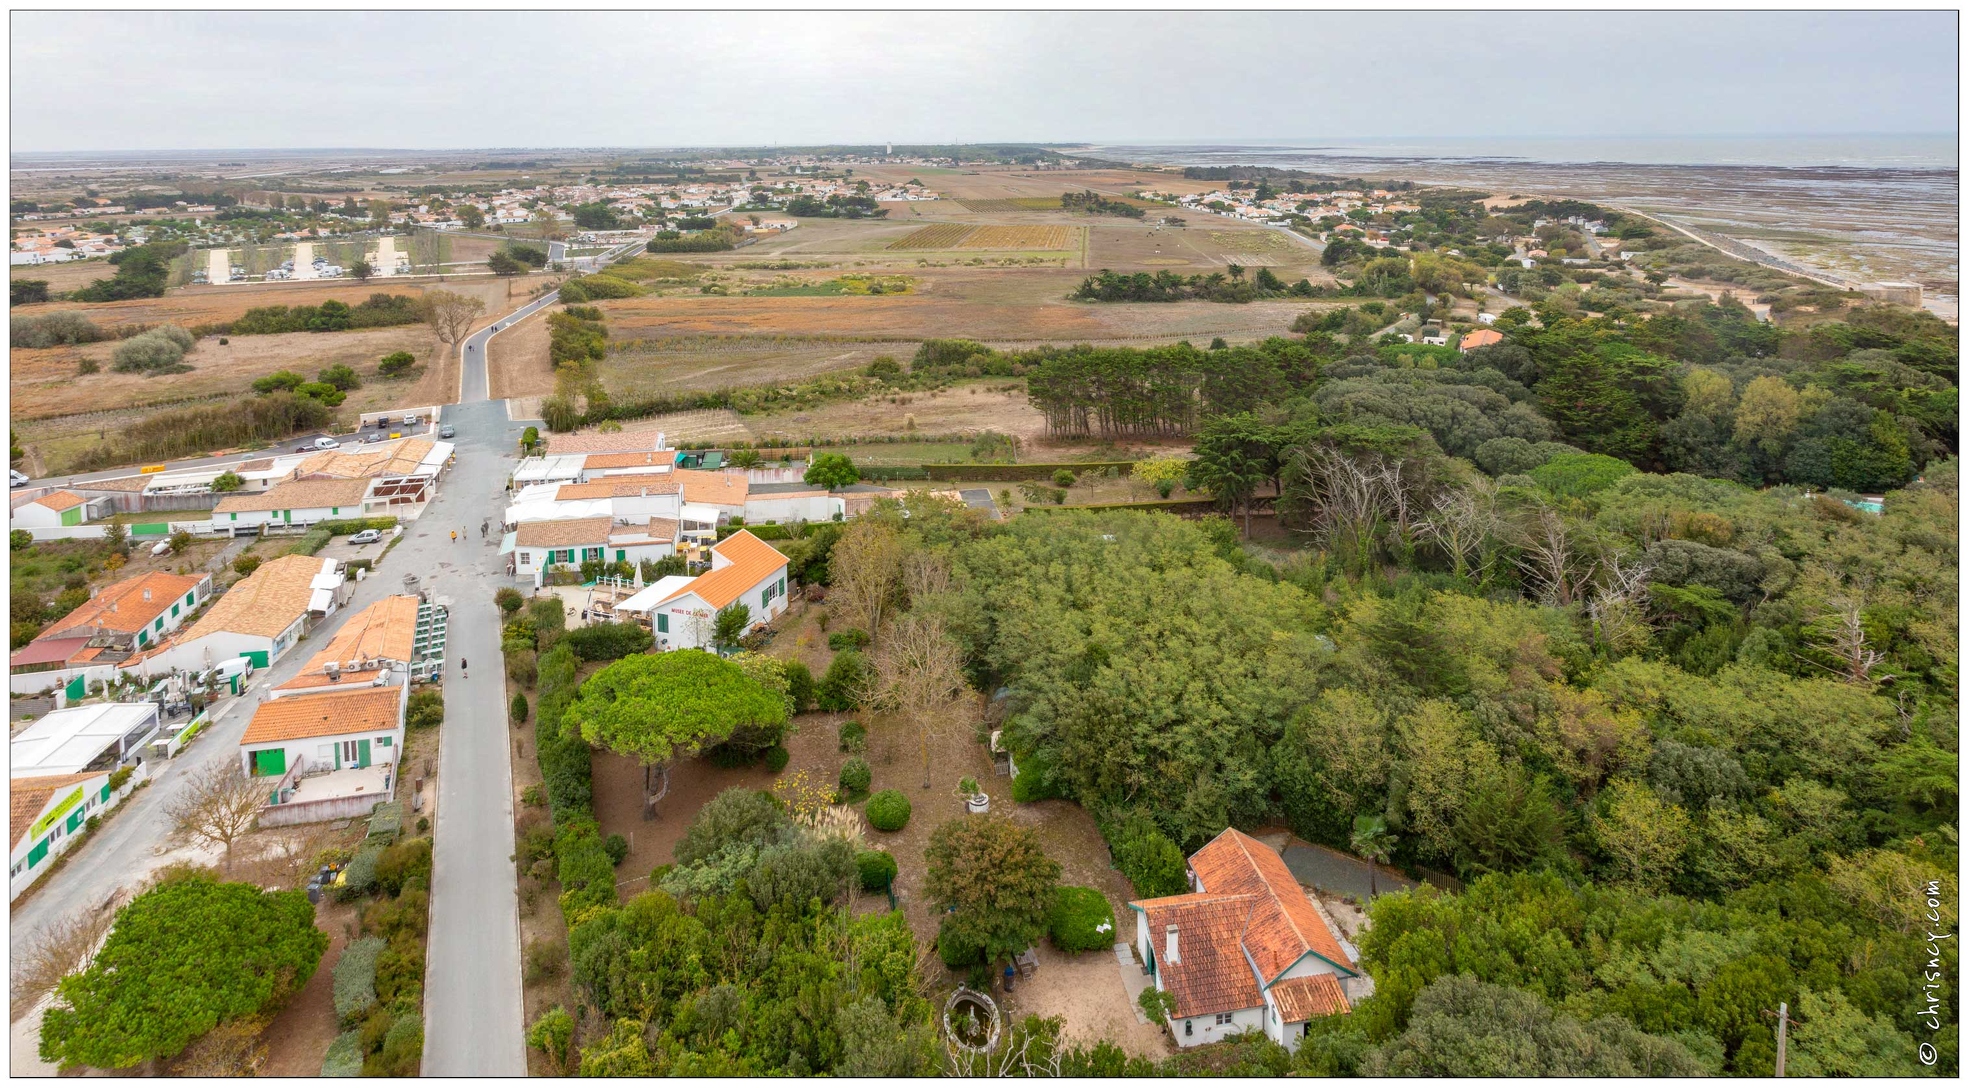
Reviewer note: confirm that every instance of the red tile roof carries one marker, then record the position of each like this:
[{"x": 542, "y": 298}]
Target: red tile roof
[
  {"x": 330, "y": 714},
  {"x": 752, "y": 561},
  {"x": 1285, "y": 925},
  {"x": 59, "y": 500},
  {"x": 1308, "y": 996},
  {"x": 1209, "y": 973},
  {"x": 131, "y": 605}
]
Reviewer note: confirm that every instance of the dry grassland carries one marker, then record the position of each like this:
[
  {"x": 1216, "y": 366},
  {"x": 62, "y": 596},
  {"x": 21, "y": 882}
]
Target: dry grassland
[
  {"x": 935, "y": 236},
  {"x": 68, "y": 276}
]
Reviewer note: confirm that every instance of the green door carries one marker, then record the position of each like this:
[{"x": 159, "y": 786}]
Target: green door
[
  {"x": 270, "y": 762},
  {"x": 259, "y": 658},
  {"x": 35, "y": 855},
  {"x": 77, "y": 688},
  {"x": 362, "y": 752},
  {"x": 72, "y": 516},
  {"x": 74, "y": 821}
]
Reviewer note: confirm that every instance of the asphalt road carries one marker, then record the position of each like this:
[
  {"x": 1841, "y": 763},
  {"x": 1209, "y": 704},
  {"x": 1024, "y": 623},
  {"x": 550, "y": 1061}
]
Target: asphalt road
[
  {"x": 472, "y": 1002},
  {"x": 471, "y": 376}
]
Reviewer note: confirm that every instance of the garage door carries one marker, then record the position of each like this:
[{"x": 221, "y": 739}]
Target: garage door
[
  {"x": 259, "y": 658},
  {"x": 270, "y": 762}
]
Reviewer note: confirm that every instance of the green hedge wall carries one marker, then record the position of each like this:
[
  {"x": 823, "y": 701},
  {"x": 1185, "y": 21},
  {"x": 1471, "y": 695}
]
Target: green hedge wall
[{"x": 1017, "y": 472}]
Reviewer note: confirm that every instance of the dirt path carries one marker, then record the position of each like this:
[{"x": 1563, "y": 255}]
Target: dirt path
[{"x": 300, "y": 1033}]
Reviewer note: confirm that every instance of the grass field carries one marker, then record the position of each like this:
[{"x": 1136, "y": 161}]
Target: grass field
[{"x": 1253, "y": 241}]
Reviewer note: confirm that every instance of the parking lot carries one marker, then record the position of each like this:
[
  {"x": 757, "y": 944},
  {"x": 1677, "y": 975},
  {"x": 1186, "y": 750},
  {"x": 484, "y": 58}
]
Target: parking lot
[{"x": 340, "y": 548}]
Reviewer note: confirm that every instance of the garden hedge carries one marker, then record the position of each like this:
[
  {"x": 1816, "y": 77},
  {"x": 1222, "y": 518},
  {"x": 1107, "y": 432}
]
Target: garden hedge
[
  {"x": 1150, "y": 860},
  {"x": 1076, "y": 920},
  {"x": 355, "y": 981},
  {"x": 344, "y": 1057},
  {"x": 855, "y": 777},
  {"x": 586, "y": 874},
  {"x": 1036, "y": 471},
  {"x": 877, "y": 869},
  {"x": 888, "y": 811}
]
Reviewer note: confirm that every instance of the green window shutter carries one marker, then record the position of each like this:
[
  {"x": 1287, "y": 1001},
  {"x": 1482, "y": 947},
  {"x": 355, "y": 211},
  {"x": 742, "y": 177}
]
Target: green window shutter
[
  {"x": 160, "y": 623},
  {"x": 143, "y": 637},
  {"x": 74, "y": 820},
  {"x": 35, "y": 855},
  {"x": 362, "y": 752},
  {"x": 107, "y": 791},
  {"x": 174, "y": 611},
  {"x": 334, "y": 509},
  {"x": 190, "y": 597},
  {"x": 384, "y": 742},
  {"x": 620, "y": 555},
  {"x": 663, "y": 622},
  {"x": 234, "y": 517}
]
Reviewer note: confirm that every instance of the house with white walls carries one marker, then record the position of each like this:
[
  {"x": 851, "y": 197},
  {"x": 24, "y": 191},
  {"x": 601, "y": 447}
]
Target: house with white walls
[{"x": 1245, "y": 950}]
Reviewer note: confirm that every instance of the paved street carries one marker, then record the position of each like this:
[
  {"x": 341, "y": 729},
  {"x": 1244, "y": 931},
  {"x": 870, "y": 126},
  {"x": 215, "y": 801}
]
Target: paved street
[{"x": 472, "y": 1002}]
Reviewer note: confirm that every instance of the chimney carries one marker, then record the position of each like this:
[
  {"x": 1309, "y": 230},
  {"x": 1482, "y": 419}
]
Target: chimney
[{"x": 1174, "y": 955}]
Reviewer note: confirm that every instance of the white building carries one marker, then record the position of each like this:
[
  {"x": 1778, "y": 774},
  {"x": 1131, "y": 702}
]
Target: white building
[
  {"x": 327, "y": 755},
  {"x": 744, "y": 571},
  {"x": 1246, "y": 950},
  {"x": 260, "y": 618}
]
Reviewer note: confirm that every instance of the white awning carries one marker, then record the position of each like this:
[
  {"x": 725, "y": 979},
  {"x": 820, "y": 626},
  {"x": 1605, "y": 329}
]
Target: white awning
[
  {"x": 508, "y": 542},
  {"x": 701, "y": 512},
  {"x": 647, "y": 597}
]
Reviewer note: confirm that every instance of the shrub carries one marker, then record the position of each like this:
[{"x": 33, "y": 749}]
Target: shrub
[
  {"x": 616, "y": 847},
  {"x": 776, "y": 758},
  {"x": 404, "y": 866},
  {"x": 854, "y": 737},
  {"x": 158, "y": 350},
  {"x": 840, "y": 687},
  {"x": 533, "y": 796},
  {"x": 1080, "y": 920},
  {"x": 608, "y": 641},
  {"x": 341, "y": 376},
  {"x": 1031, "y": 783},
  {"x": 852, "y": 638},
  {"x": 509, "y": 600},
  {"x": 426, "y": 709},
  {"x": 800, "y": 686},
  {"x": 360, "y": 876},
  {"x": 522, "y": 666},
  {"x": 403, "y": 1049},
  {"x": 395, "y": 364},
  {"x": 888, "y": 811},
  {"x": 587, "y": 876},
  {"x": 1063, "y": 477},
  {"x": 1150, "y": 860},
  {"x": 355, "y": 979},
  {"x": 876, "y": 868},
  {"x": 66, "y": 327},
  {"x": 246, "y": 564},
  {"x": 855, "y": 777},
  {"x": 344, "y": 1057},
  {"x": 956, "y": 948},
  {"x": 553, "y": 1036},
  {"x": 517, "y": 709}
]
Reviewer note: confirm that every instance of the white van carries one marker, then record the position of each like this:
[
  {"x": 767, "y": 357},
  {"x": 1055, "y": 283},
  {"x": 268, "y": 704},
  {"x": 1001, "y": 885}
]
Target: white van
[{"x": 326, "y": 443}]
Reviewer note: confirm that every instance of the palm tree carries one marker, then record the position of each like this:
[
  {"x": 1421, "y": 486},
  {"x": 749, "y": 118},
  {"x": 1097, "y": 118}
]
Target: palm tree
[{"x": 1375, "y": 844}]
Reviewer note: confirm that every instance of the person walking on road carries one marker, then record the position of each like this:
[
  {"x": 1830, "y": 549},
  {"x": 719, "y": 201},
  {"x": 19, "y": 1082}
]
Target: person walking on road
[
  {"x": 454, "y": 536},
  {"x": 464, "y": 668}
]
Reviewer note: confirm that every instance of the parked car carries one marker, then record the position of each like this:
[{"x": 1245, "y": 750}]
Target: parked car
[
  {"x": 367, "y": 536},
  {"x": 447, "y": 431},
  {"x": 373, "y": 436},
  {"x": 408, "y": 420},
  {"x": 326, "y": 443},
  {"x": 16, "y": 478}
]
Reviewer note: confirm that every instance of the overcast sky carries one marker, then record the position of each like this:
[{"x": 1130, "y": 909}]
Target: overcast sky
[{"x": 145, "y": 80}]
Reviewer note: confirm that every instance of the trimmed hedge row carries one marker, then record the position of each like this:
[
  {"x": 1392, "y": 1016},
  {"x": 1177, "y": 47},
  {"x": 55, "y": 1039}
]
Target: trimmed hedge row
[
  {"x": 345, "y": 526},
  {"x": 566, "y": 763},
  {"x": 355, "y": 979},
  {"x": 1034, "y": 471},
  {"x": 1169, "y": 505},
  {"x": 583, "y": 866}
]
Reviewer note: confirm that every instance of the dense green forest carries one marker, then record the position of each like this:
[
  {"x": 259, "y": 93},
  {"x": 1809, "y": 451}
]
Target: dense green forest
[{"x": 1690, "y": 745}]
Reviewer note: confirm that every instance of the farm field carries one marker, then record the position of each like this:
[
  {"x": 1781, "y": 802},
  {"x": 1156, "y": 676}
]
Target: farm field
[
  {"x": 67, "y": 276},
  {"x": 955, "y": 236}
]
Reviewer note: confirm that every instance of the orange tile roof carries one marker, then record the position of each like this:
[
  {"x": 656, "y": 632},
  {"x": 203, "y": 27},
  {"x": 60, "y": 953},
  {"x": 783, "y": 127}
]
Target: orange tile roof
[
  {"x": 26, "y": 797},
  {"x": 716, "y": 488},
  {"x": 1285, "y": 926},
  {"x": 1308, "y": 996},
  {"x": 60, "y": 500},
  {"x": 608, "y": 487},
  {"x": 1210, "y": 973},
  {"x": 659, "y": 529},
  {"x": 263, "y": 603},
  {"x": 563, "y": 533},
  {"x": 397, "y": 458},
  {"x": 128, "y": 606},
  {"x": 1480, "y": 338},
  {"x": 593, "y": 442},
  {"x": 298, "y": 495},
  {"x": 752, "y": 561},
  {"x": 386, "y": 630},
  {"x": 650, "y": 458},
  {"x": 330, "y": 714}
]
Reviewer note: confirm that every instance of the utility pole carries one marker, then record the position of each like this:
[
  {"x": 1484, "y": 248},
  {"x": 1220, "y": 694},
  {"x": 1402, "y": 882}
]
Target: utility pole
[{"x": 1784, "y": 1023}]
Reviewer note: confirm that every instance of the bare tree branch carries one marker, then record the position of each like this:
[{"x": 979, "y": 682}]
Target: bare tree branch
[{"x": 218, "y": 805}]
